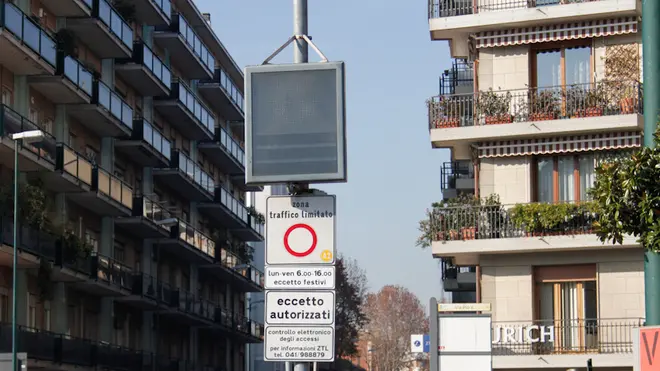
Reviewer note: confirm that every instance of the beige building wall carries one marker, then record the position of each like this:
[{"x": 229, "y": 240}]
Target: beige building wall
[
  {"x": 507, "y": 282},
  {"x": 509, "y": 177},
  {"x": 504, "y": 68}
]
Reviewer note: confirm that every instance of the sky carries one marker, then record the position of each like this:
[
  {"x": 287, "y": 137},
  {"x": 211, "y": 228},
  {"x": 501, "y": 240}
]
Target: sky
[{"x": 392, "y": 67}]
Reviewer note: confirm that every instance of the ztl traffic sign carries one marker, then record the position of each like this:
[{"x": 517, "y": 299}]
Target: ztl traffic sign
[{"x": 300, "y": 230}]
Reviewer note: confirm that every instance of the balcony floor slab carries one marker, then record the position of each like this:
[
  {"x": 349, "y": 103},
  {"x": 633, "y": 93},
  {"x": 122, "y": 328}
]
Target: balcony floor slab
[{"x": 469, "y": 252}]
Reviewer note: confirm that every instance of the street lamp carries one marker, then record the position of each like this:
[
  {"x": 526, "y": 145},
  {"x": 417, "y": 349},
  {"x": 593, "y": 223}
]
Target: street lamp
[{"x": 30, "y": 136}]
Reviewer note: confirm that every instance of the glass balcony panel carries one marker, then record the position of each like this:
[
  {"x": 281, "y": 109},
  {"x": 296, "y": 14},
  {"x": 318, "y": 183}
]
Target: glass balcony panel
[
  {"x": 195, "y": 43},
  {"x": 195, "y": 107},
  {"x": 116, "y": 23},
  {"x": 230, "y": 89},
  {"x": 156, "y": 66}
]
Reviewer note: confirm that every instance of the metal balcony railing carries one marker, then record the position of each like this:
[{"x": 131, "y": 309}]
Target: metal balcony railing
[
  {"x": 143, "y": 54},
  {"x": 104, "y": 11},
  {"x": 233, "y": 204},
  {"x": 451, "y": 8},
  {"x": 467, "y": 222},
  {"x": 195, "y": 238},
  {"x": 231, "y": 145},
  {"x": 230, "y": 87},
  {"x": 29, "y": 32},
  {"x": 450, "y": 271},
  {"x": 74, "y": 164},
  {"x": 154, "y": 210},
  {"x": 113, "y": 187},
  {"x": 192, "y": 104},
  {"x": 113, "y": 272},
  {"x": 165, "y": 7},
  {"x": 194, "y": 42},
  {"x": 73, "y": 70},
  {"x": 245, "y": 269},
  {"x": 565, "y": 336},
  {"x": 11, "y": 122},
  {"x": 113, "y": 103},
  {"x": 461, "y": 74},
  {"x": 450, "y": 171},
  {"x": 155, "y": 138},
  {"x": 194, "y": 171},
  {"x": 604, "y": 98}
]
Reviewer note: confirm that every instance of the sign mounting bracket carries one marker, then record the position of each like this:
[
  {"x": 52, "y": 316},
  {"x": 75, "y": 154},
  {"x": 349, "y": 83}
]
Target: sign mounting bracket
[{"x": 307, "y": 39}]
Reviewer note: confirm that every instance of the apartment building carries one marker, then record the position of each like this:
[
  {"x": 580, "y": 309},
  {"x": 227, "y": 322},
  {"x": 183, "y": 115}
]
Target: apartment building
[
  {"x": 133, "y": 228},
  {"x": 555, "y": 89}
]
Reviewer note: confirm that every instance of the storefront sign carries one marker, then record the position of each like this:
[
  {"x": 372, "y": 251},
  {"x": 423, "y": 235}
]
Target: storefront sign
[{"x": 523, "y": 335}]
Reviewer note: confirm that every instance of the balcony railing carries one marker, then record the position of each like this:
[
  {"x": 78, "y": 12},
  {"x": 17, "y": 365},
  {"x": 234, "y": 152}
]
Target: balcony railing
[
  {"x": 112, "y": 102},
  {"x": 37, "y": 242},
  {"x": 233, "y": 204},
  {"x": 450, "y": 171},
  {"x": 29, "y": 32},
  {"x": 231, "y": 145},
  {"x": 257, "y": 330},
  {"x": 446, "y": 8},
  {"x": 254, "y": 224},
  {"x": 512, "y": 221},
  {"x": 154, "y": 210},
  {"x": 194, "y": 105},
  {"x": 114, "y": 22},
  {"x": 195, "y": 172},
  {"x": 450, "y": 271},
  {"x": 151, "y": 288},
  {"x": 154, "y": 63},
  {"x": 195, "y": 238},
  {"x": 460, "y": 75},
  {"x": 230, "y": 88},
  {"x": 113, "y": 187},
  {"x": 155, "y": 139},
  {"x": 233, "y": 261},
  {"x": 192, "y": 304},
  {"x": 570, "y": 336},
  {"x": 194, "y": 42},
  {"x": 165, "y": 7},
  {"x": 74, "y": 164},
  {"x": 77, "y": 74},
  {"x": 113, "y": 272},
  {"x": 605, "y": 98},
  {"x": 11, "y": 122}
]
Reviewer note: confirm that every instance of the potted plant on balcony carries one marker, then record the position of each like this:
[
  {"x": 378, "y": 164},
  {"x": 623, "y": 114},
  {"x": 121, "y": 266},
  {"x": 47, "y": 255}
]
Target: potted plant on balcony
[
  {"x": 446, "y": 112},
  {"x": 629, "y": 99},
  {"x": 495, "y": 107},
  {"x": 258, "y": 217},
  {"x": 581, "y": 102},
  {"x": 544, "y": 104}
]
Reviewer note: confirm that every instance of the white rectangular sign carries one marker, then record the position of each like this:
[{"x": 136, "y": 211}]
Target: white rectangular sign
[
  {"x": 303, "y": 344},
  {"x": 302, "y": 308},
  {"x": 300, "y": 230},
  {"x": 464, "y": 334},
  {"x": 300, "y": 278}
]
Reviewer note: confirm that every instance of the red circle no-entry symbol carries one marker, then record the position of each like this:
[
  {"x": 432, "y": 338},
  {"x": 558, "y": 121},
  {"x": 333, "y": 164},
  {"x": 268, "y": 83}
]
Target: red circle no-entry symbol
[{"x": 306, "y": 252}]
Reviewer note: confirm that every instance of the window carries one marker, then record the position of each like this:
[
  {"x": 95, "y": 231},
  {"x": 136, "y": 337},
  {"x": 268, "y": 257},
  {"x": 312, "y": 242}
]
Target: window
[
  {"x": 563, "y": 178},
  {"x": 120, "y": 252},
  {"x": 566, "y": 298},
  {"x": 562, "y": 66},
  {"x": 47, "y": 125},
  {"x": 34, "y": 115},
  {"x": 92, "y": 239}
]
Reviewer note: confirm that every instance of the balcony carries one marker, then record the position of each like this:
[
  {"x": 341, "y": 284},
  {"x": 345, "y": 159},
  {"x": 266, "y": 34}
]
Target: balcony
[
  {"x": 147, "y": 145},
  {"x": 458, "y": 279},
  {"x": 189, "y": 243},
  {"x": 187, "y": 178},
  {"x": 45, "y": 346},
  {"x": 153, "y": 12},
  {"x": 73, "y": 172},
  {"x": 226, "y": 209},
  {"x": 456, "y": 178},
  {"x": 69, "y": 8},
  {"x": 186, "y": 113},
  {"x": 247, "y": 330},
  {"x": 71, "y": 84},
  {"x": 225, "y": 152},
  {"x": 149, "y": 293},
  {"x": 456, "y": 121},
  {"x": 464, "y": 233},
  {"x": 33, "y": 245},
  {"x": 149, "y": 219},
  {"x": 563, "y": 344},
  {"x": 32, "y": 157},
  {"x": 189, "y": 53},
  {"x": 191, "y": 309},
  {"x": 459, "y": 79},
  {"x": 105, "y": 32},
  {"x": 106, "y": 276},
  {"x": 225, "y": 96},
  {"x": 108, "y": 195},
  {"x": 27, "y": 49},
  {"x": 107, "y": 115},
  {"x": 230, "y": 267},
  {"x": 456, "y": 20},
  {"x": 146, "y": 72}
]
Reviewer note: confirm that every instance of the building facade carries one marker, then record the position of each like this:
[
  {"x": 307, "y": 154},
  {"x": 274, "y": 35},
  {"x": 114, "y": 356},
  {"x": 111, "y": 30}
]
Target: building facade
[
  {"x": 133, "y": 225},
  {"x": 555, "y": 91}
]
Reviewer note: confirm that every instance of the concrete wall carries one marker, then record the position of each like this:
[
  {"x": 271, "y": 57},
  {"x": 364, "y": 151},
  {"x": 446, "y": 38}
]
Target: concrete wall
[
  {"x": 507, "y": 282},
  {"x": 504, "y": 68},
  {"x": 508, "y": 177}
]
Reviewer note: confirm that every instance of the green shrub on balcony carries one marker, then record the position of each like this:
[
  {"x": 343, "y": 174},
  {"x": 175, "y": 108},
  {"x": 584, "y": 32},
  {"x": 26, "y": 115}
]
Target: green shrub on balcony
[
  {"x": 540, "y": 219},
  {"x": 32, "y": 204}
]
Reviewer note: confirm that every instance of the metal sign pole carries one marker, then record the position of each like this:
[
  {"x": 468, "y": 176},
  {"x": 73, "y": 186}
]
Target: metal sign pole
[{"x": 300, "y": 55}]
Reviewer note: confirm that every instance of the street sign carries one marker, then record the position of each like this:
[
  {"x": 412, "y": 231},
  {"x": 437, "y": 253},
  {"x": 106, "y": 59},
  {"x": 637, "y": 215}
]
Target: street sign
[
  {"x": 301, "y": 308},
  {"x": 295, "y": 126},
  {"x": 300, "y": 278},
  {"x": 300, "y": 230},
  {"x": 299, "y": 344}
]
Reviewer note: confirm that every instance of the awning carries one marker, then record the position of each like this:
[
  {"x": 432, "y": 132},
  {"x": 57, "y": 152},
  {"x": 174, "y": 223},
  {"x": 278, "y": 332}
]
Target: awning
[
  {"x": 564, "y": 144},
  {"x": 557, "y": 32}
]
